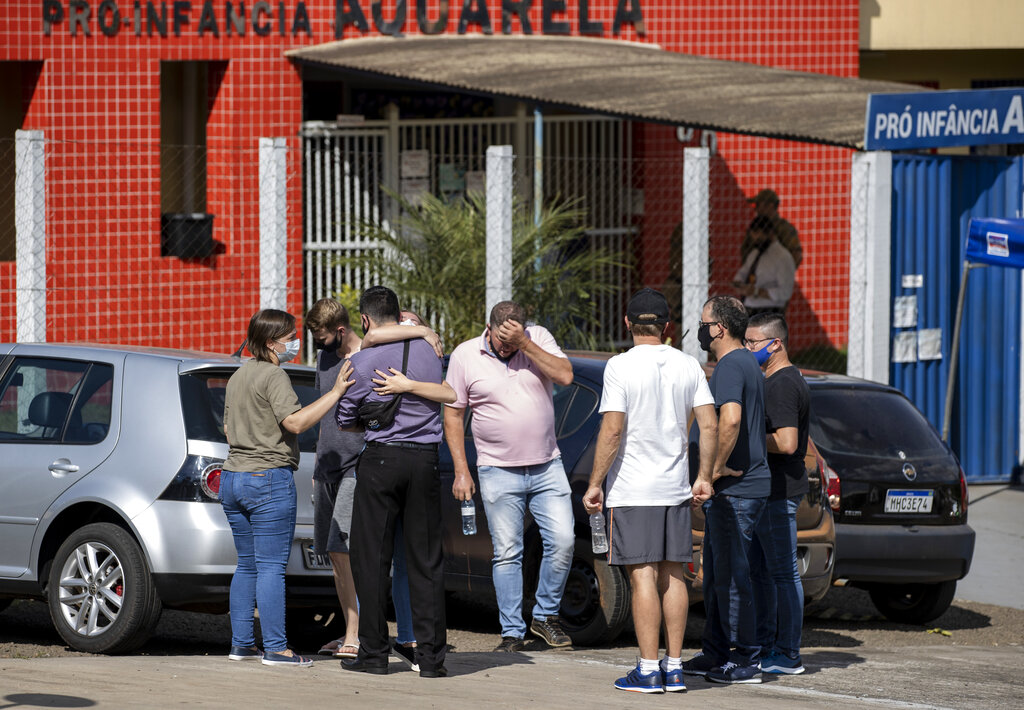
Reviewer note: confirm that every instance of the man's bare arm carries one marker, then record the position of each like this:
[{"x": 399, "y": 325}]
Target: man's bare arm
[{"x": 609, "y": 439}]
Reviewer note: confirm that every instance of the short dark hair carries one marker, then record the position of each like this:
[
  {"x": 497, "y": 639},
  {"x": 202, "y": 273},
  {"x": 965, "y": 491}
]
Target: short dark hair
[
  {"x": 730, "y": 313},
  {"x": 267, "y": 324},
  {"x": 380, "y": 304},
  {"x": 648, "y": 330},
  {"x": 507, "y": 310},
  {"x": 772, "y": 324}
]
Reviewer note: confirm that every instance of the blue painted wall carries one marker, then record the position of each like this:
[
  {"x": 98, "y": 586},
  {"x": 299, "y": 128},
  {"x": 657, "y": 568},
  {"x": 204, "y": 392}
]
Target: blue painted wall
[{"x": 934, "y": 198}]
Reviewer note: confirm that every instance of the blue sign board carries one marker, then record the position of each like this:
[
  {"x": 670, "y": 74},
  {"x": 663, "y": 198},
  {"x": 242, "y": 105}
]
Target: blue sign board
[
  {"x": 999, "y": 242},
  {"x": 936, "y": 119}
]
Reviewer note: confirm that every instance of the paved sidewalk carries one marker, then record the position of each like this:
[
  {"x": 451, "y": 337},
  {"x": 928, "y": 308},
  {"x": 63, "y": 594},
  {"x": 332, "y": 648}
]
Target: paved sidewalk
[
  {"x": 996, "y": 512},
  {"x": 916, "y": 677}
]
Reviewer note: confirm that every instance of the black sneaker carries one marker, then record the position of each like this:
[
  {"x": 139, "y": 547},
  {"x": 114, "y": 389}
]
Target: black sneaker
[
  {"x": 700, "y": 664},
  {"x": 407, "y": 655},
  {"x": 733, "y": 673},
  {"x": 550, "y": 629},
  {"x": 510, "y": 644}
]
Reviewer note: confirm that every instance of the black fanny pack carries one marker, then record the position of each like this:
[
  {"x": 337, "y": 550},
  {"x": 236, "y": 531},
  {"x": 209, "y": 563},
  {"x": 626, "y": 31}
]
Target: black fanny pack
[{"x": 379, "y": 415}]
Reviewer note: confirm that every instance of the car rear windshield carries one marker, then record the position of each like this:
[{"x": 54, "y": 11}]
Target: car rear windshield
[
  {"x": 870, "y": 423},
  {"x": 202, "y": 401}
]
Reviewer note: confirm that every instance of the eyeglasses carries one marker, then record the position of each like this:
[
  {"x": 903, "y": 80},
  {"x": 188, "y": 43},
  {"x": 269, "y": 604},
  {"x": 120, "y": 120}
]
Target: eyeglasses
[
  {"x": 709, "y": 323},
  {"x": 749, "y": 342}
]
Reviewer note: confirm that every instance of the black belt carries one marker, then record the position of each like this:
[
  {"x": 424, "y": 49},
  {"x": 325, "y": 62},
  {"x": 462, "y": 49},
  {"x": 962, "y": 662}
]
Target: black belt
[{"x": 404, "y": 445}]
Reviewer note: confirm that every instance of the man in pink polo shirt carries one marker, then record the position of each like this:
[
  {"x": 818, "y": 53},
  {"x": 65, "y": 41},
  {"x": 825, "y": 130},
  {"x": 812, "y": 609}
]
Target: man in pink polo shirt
[{"x": 506, "y": 376}]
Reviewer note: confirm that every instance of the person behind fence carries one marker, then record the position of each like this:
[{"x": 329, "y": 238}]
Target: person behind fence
[
  {"x": 766, "y": 278},
  {"x": 262, "y": 421},
  {"x": 735, "y": 492},
  {"x": 649, "y": 394},
  {"x": 778, "y": 591},
  {"x": 505, "y": 376},
  {"x": 766, "y": 204},
  {"x": 397, "y": 478}
]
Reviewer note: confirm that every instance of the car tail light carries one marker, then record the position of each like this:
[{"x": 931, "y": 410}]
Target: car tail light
[
  {"x": 197, "y": 480},
  {"x": 963, "y": 493},
  {"x": 209, "y": 481},
  {"x": 832, "y": 489}
]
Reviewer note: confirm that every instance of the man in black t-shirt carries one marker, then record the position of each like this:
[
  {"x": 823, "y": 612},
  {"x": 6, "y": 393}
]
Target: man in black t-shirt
[{"x": 778, "y": 592}]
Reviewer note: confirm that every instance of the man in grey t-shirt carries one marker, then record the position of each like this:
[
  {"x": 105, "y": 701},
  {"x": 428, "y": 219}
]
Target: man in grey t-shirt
[{"x": 337, "y": 453}]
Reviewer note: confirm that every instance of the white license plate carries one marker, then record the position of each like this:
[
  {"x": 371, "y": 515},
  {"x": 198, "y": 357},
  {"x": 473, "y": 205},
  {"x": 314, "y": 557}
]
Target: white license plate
[
  {"x": 312, "y": 560},
  {"x": 908, "y": 501}
]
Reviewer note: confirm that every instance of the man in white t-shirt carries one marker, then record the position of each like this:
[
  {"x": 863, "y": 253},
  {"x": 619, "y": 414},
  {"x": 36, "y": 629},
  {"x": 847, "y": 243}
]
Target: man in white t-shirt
[{"x": 650, "y": 391}]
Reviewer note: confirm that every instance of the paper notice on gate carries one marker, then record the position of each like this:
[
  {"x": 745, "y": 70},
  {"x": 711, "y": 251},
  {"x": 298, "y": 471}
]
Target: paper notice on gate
[
  {"x": 904, "y": 347},
  {"x": 904, "y": 313},
  {"x": 929, "y": 344},
  {"x": 413, "y": 190},
  {"x": 415, "y": 163},
  {"x": 476, "y": 181}
]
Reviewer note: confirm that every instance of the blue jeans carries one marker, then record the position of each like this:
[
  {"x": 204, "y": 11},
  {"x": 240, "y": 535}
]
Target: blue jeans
[
  {"x": 260, "y": 508},
  {"x": 730, "y": 631},
  {"x": 507, "y": 493},
  {"x": 778, "y": 592},
  {"x": 400, "y": 589}
]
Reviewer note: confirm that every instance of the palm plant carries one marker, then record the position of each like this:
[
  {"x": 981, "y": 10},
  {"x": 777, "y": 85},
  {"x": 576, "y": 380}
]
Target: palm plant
[{"x": 434, "y": 257}]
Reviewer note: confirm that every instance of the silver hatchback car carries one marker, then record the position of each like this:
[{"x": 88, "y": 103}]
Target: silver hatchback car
[{"x": 109, "y": 472}]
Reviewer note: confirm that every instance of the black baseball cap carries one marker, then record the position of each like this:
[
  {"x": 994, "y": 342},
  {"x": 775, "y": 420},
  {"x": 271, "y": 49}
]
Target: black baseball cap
[{"x": 647, "y": 306}]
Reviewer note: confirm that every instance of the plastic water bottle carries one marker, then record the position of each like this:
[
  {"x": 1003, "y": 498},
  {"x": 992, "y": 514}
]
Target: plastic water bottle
[
  {"x": 468, "y": 517},
  {"x": 598, "y": 538}
]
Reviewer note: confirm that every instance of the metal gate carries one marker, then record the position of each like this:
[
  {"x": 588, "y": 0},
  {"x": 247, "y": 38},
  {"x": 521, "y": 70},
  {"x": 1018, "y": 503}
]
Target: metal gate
[
  {"x": 346, "y": 168},
  {"x": 934, "y": 198}
]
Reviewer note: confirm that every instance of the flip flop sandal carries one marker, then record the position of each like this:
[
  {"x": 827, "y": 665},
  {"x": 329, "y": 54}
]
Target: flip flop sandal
[
  {"x": 348, "y": 650},
  {"x": 331, "y": 647}
]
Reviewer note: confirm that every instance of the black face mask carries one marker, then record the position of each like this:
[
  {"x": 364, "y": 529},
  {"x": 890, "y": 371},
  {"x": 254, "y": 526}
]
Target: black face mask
[
  {"x": 704, "y": 338},
  {"x": 329, "y": 343}
]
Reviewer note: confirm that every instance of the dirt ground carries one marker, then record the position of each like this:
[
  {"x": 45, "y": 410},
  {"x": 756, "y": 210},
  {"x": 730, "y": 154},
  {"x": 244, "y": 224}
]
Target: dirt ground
[{"x": 845, "y": 618}]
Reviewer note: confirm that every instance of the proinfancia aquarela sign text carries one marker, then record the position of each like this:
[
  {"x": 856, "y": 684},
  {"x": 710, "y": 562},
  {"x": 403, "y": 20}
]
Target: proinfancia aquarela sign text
[{"x": 265, "y": 17}]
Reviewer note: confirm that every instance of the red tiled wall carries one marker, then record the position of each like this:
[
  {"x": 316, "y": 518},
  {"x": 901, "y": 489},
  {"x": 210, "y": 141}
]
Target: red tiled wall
[{"x": 97, "y": 100}]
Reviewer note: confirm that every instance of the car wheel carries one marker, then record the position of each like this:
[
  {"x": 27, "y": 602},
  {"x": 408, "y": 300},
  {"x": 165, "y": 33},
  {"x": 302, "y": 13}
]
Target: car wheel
[
  {"x": 913, "y": 603},
  {"x": 100, "y": 593},
  {"x": 595, "y": 606}
]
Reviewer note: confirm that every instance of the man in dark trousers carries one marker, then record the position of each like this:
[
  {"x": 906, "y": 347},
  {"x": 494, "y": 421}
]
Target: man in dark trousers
[
  {"x": 741, "y": 481},
  {"x": 397, "y": 478},
  {"x": 778, "y": 591}
]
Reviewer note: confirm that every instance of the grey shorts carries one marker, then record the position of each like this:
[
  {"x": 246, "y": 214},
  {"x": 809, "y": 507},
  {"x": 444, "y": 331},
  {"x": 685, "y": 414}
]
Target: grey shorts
[
  {"x": 332, "y": 514},
  {"x": 646, "y": 534}
]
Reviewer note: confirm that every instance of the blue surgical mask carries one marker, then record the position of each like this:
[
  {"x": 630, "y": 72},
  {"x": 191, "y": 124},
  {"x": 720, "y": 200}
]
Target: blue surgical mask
[
  {"x": 762, "y": 355},
  {"x": 291, "y": 349}
]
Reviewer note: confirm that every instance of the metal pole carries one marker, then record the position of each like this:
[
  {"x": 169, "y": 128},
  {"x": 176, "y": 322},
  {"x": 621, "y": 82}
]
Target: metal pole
[
  {"x": 538, "y": 164},
  {"x": 955, "y": 349}
]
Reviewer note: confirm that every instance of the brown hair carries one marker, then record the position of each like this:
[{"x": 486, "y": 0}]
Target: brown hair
[
  {"x": 507, "y": 310},
  {"x": 267, "y": 324},
  {"x": 648, "y": 330},
  {"x": 328, "y": 314}
]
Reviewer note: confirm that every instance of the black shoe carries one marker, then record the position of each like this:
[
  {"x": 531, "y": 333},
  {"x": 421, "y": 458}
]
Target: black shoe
[
  {"x": 406, "y": 654},
  {"x": 510, "y": 644},
  {"x": 360, "y": 665},
  {"x": 550, "y": 629},
  {"x": 439, "y": 672}
]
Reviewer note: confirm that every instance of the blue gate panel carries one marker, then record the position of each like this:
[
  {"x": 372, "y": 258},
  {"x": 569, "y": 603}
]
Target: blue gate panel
[{"x": 934, "y": 198}]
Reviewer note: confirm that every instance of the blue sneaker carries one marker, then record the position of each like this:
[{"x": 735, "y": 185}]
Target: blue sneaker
[
  {"x": 780, "y": 663},
  {"x": 732, "y": 673},
  {"x": 638, "y": 682},
  {"x": 673, "y": 681},
  {"x": 245, "y": 653}
]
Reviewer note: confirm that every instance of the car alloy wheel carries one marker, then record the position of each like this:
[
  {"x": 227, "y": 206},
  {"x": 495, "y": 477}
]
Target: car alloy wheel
[{"x": 91, "y": 588}]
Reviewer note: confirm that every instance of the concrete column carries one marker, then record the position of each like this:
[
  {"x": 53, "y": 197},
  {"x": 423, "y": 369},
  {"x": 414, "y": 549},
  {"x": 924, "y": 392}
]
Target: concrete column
[
  {"x": 30, "y": 235},
  {"x": 696, "y": 179},
  {"x": 499, "y": 224},
  {"x": 870, "y": 266},
  {"x": 273, "y": 182}
]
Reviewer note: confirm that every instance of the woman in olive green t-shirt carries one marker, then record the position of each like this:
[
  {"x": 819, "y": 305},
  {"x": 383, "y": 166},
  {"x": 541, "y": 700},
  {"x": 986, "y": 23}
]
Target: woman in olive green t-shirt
[{"x": 262, "y": 421}]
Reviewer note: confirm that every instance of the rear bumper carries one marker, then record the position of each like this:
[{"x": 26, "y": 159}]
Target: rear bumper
[{"x": 903, "y": 554}]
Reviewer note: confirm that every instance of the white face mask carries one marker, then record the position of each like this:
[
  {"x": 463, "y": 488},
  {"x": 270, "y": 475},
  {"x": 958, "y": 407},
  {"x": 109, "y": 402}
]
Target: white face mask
[{"x": 291, "y": 349}]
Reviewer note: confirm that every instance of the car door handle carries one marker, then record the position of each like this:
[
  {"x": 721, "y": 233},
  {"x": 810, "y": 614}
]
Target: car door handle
[{"x": 63, "y": 466}]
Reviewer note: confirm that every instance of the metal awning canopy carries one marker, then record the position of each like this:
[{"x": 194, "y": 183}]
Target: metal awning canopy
[{"x": 625, "y": 79}]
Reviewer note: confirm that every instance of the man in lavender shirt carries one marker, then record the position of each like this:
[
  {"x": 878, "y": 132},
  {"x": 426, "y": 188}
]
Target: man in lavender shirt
[
  {"x": 397, "y": 479},
  {"x": 505, "y": 376}
]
